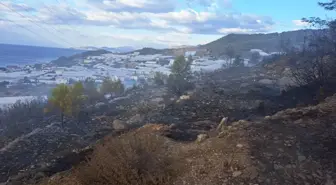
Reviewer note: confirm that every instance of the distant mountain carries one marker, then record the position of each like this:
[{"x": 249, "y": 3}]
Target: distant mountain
[
  {"x": 243, "y": 43},
  {"x": 123, "y": 49}
]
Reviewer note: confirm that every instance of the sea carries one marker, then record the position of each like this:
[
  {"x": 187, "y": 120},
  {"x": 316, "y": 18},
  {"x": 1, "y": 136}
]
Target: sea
[{"x": 23, "y": 55}]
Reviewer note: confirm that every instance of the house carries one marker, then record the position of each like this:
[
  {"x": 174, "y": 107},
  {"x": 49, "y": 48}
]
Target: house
[{"x": 190, "y": 53}]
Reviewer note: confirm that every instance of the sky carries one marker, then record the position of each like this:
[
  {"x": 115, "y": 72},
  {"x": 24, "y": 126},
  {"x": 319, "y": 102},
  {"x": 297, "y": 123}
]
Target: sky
[{"x": 146, "y": 23}]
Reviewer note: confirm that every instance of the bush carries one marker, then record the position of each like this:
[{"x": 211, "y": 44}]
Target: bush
[
  {"x": 160, "y": 78},
  {"x": 178, "y": 84},
  {"x": 67, "y": 100},
  {"x": 110, "y": 86},
  {"x": 21, "y": 118},
  {"x": 179, "y": 80},
  {"x": 128, "y": 160}
]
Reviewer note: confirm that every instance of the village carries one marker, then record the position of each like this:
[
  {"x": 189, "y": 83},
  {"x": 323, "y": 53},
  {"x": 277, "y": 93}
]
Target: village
[{"x": 38, "y": 79}]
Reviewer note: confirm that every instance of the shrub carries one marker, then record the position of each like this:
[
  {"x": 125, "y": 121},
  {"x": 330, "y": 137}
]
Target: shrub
[
  {"x": 90, "y": 90},
  {"x": 110, "y": 86},
  {"x": 129, "y": 160},
  {"x": 67, "y": 99},
  {"x": 180, "y": 78},
  {"x": 160, "y": 78},
  {"x": 21, "y": 118},
  {"x": 177, "y": 84}
]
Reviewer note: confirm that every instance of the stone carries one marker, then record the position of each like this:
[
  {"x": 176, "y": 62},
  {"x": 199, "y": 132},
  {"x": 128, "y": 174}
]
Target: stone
[
  {"x": 239, "y": 146},
  {"x": 277, "y": 167},
  {"x": 98, "y": 105},
  {"x": 301, "y": 158},
  {"x": 223, "y": 123},
  {"x": 266, "y": 81},
  {"x": 236, "y": 173},
  {"x": 202, "y": 137},
  {"x": 172, "y": 126},
  {"x": 135, "y": 119},
  {"x": 119, "y": 125}
]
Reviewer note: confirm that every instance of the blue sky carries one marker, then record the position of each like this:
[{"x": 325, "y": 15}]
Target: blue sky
[{"x": 146, "y": 23}]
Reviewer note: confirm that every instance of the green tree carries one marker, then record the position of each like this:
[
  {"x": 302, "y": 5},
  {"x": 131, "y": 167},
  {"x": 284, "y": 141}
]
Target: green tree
[
  {"x": 110, "y": 86},
  {"x": 181, "y": 66},
  {"x": 67, "y": 99},
  {"x": 77, "y": 98},
  {"x": 180, "y": 77},
  {"x": 160, "y": 78},
  {"x": 61, "y": 100},
  {"x": 91, "y": 90}
]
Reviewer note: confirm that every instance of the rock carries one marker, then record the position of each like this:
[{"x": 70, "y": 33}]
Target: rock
[
  {"x": 172, "y": 126},
  {"x": 202, "y": 137},
  {"x": 223, "y": 123},
  {"x": 266, "y": 81},
  {"x": 157, "y": 100},
  {"x": 285, "y": 82},
  {"x": 98, "y": 105},
  {"x": 301, "y": 158},
  {"x": 239, "y": 146},
  {"x": 244, "y": 85},
  {"x": 184, "y": 97},
  {"x": 119, "y": 125},
  {"x": 135, "y": 119},
  {"x": 39, "y": 175},
  {"x": 277, "y": 167},
  {"x": 236, "y": 173}
]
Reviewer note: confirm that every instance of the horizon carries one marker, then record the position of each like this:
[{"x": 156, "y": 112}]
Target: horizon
[
  {"x": 82, "y": 48},
  {"x": 145, "y": 23}
]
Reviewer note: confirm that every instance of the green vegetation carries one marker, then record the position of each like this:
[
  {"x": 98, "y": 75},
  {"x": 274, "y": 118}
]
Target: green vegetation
[
  {"x": 160, "y": 78},
  {"x": 90, "y": 90},
  {"x": 180, "y": 77},
  {"x": 67, "y": 99},
  {"x": 110, "y": 86}
]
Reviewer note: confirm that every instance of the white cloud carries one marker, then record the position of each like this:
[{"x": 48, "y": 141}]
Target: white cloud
[
  {"x": 300, "y": 23},
  {"x": 8, "y": 6},
  {"x": 155, "y": 6},
  {"x": 164, "y": 25},
  {"x": 234, "y": 30}
]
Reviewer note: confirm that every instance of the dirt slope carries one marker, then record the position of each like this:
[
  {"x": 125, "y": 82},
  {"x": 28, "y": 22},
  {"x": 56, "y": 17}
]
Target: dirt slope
[{"x": 294, "y": 146}]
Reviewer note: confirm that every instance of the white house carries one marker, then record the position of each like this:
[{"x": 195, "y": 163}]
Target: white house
[{"x": 190, "y": 53}]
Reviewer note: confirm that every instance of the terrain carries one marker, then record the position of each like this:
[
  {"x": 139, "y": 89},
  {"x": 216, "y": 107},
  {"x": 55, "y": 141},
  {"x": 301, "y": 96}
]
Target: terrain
[
  {"x": 242, "y": 44},
  {"x": 254, "y": 133}
]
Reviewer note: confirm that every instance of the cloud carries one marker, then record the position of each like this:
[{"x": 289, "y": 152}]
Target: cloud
[
  {"x": 183, "y": 21},
  {"x": 300, "y": 23},
  {"x": 210, "y": 23},
  {"x": 154, "y": 6},
  {"x": 17, "y": 7},
  {"x": 210, "y": 5},
  {"x": 62, "y": 14}
]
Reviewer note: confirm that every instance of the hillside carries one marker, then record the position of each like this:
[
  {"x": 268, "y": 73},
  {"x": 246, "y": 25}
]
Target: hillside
[
  {"x": 68, "y": 61},
  {"x": 243, "y": 43},
  {"x": 294, "y": 146}
]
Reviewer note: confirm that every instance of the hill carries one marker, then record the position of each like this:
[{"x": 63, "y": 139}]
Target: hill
[
  {"x": 68, "y": 61},
  {"x": 243, "y": 43}
]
